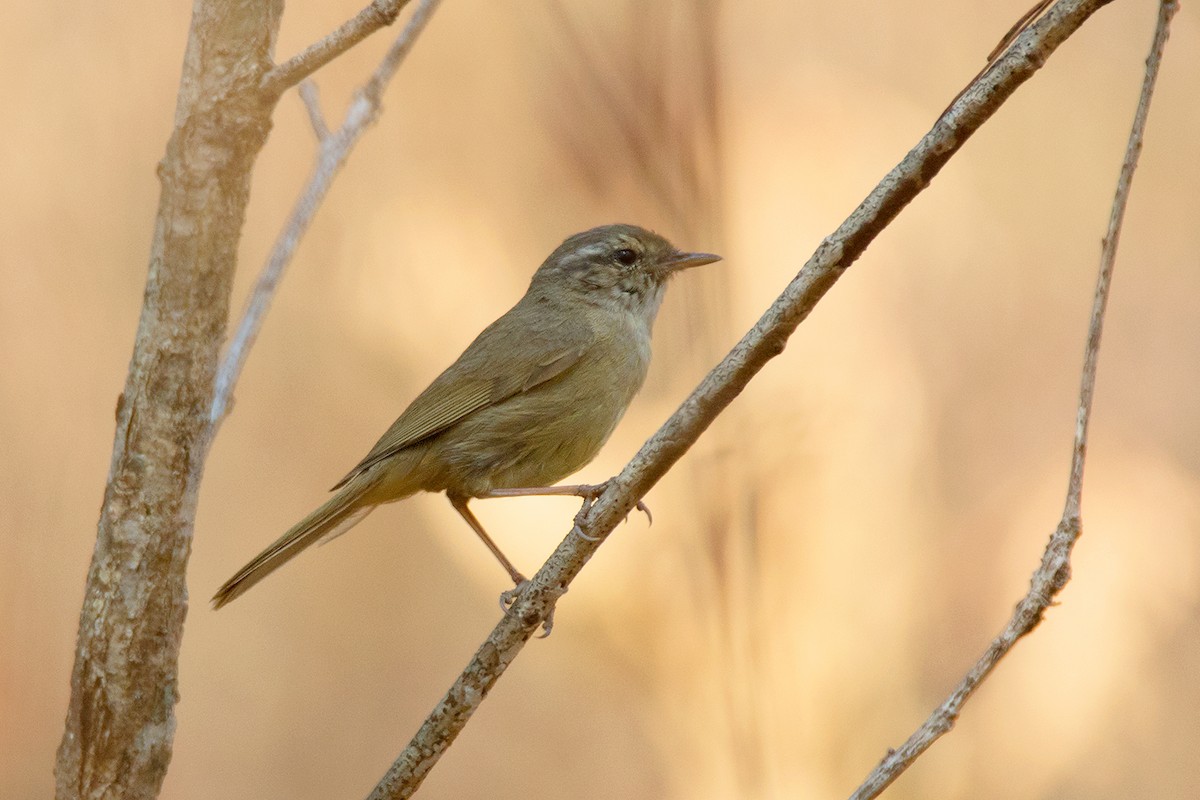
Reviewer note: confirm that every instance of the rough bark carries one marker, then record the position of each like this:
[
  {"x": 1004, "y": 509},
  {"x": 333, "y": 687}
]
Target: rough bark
[{"x": 121, "y": 716}]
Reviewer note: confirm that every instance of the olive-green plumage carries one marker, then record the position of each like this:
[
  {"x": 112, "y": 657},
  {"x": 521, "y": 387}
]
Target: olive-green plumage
[{"x": 529, "y": 402}]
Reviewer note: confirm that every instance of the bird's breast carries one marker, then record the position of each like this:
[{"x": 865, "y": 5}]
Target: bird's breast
[{"x": 539, "y": 437}]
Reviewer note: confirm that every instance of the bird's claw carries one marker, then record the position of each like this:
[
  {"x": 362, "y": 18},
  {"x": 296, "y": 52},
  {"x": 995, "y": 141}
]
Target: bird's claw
[
  {"x": 578, "y": 531},
  {"x": 547, "y": 625},
  {"x": 590, "y": 494},
  {"x": 508, "y": 598}
]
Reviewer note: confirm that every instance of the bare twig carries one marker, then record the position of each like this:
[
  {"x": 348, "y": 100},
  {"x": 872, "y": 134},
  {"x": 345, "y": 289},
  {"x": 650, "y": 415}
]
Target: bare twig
[
  {"x": 763, "y": 342},
  {"x": 334, "y": 149},
  {"x": 379, "y": 14},
  {"x": 1055, "y": 569},
  {"x": 311, "y": 97}
]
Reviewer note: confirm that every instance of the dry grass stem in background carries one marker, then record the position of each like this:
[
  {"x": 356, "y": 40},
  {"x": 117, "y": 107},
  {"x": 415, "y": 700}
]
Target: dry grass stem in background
[
  {"x": 1055, "y": 569},
  {"x": 764, "y": 341},
  {"x": 334, "y": 149}
]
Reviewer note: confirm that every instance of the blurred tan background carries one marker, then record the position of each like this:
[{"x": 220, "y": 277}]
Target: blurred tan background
[{"x": 822, "y": 568}]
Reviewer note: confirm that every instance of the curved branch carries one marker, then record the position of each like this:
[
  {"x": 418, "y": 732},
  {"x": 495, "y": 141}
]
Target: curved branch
[
  {"x": 763, "y": 342},
  {"x": 1055, "y": 570}
]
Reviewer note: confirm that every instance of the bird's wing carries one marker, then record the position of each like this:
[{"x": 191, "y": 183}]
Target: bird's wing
[{"x": 483, "y": 376}]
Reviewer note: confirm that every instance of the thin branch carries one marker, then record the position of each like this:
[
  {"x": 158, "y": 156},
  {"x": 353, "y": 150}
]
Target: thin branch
[
  {"x": 379, "y": 14},
  {"x": 335, "y": 148},
  {"x": 763, "y": 342},
  {"x": 1055, "y": 569},
  {"x": 311, "y": 97}
]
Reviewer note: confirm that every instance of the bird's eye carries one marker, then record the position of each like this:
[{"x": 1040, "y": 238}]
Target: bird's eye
[{"x": 625, "y": 257}]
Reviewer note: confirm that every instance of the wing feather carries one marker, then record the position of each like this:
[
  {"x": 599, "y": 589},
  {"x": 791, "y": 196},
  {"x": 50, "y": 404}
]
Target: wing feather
[{"x": 482, "y": 377}]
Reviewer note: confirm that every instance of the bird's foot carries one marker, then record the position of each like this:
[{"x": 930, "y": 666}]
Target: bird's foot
[
  {"x": 508, "y": 598},
  {"x": 590, "y": 493}
]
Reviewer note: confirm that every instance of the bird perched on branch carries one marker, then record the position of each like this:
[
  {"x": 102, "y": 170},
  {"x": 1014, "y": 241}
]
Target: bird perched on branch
[{"x": 529, "y": 402}]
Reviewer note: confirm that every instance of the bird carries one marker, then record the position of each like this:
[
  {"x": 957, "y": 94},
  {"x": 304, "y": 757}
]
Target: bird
[{"x": 529, "y": 402}]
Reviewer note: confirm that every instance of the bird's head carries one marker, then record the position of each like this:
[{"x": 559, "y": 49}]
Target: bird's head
[{"x": 616, "y": 267}]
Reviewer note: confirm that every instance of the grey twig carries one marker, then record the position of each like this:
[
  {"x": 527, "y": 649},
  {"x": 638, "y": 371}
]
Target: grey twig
[
  {"x": 379, "y": 14},
  {"x": 334, "y": 148},
  {"x": 1055, "y": 569},
  {"x": 763, "y": 342},
  {"x": 311, "y": 97}
]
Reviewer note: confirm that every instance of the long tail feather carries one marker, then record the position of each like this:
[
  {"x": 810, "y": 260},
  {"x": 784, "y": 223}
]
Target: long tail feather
[{"x": 335, "y": 517}]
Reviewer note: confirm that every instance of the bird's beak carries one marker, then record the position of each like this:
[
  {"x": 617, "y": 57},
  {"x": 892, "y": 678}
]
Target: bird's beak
[{"x": 678, "y": 261}]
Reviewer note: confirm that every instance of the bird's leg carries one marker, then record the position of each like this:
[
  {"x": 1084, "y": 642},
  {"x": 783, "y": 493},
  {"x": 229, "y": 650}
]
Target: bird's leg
[
  {"x": 460, "y": 505},
  {"x": 588, "y": 491},
  {"x": 509, "y": 597}
]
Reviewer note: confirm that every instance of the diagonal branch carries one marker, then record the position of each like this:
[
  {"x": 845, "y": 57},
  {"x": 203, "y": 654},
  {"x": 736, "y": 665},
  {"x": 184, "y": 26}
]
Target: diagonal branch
[
  {"x": 763, "y": 342},
  {"x": 1055, "y": 570},
  {"x": 379, "y": 14},
  {"x": 335, "y": 148}
]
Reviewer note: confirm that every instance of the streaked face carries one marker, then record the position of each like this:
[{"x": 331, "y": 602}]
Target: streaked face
[{"x": 615, "y": 265}]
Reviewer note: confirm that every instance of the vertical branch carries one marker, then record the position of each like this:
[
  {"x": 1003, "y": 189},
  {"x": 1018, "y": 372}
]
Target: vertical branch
[
  {"x": 1055, "y": 569},
  {"x": 120, "y": 722},
  {"x": 121, "y": 716},
  {"x": 1108, "y": 255}
]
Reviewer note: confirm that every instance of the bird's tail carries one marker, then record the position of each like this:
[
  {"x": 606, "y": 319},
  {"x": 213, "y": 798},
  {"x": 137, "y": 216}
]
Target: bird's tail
[{"x": 340, "y": 513}]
